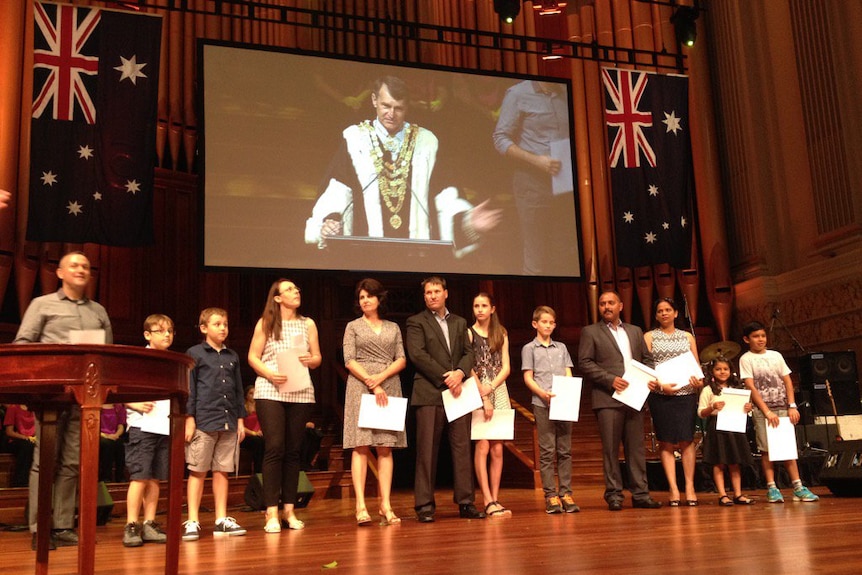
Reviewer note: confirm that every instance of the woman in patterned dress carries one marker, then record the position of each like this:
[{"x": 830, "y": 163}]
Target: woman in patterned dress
[
  {"x": 374, "y": 356},
  {"x": 282, "y": 414},
  {"x": 674, "y": 404},
  {"x": 490, "y": 369}
]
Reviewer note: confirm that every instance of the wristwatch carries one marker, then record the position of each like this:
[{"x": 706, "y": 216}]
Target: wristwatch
[{"x": 792, "y": 406}]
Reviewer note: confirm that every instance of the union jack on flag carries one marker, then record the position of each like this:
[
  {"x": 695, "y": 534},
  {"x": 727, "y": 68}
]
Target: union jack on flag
[
  {"x": 68, "y": 57},
  {"x": 624, "y": 115},
  {"x": 652, "y": 187}
]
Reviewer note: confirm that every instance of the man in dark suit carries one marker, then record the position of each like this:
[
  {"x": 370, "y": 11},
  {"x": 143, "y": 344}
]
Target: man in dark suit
[
  {"x": 438, "y": 347},
  {"x": 605, "y": 349}
]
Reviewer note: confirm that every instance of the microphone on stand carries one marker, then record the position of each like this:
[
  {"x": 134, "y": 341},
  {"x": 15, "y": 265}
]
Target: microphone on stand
[{"x": 775, "y": 313}]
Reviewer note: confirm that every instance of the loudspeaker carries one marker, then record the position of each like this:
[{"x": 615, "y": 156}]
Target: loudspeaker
[
  {"x": 814, "y": 436},
  {"x": 842, "y": 469},
  {"x": 254, "y": 492},
  {"x": 104, "y": 504},
  {"x": 839, "y": 368}
]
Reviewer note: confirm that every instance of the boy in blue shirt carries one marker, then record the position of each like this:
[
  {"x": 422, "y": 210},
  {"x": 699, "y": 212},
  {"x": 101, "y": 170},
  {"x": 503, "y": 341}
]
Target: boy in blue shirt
[
  {"x": 541, "y": 360},
  {"x": 214, "y": 426}
]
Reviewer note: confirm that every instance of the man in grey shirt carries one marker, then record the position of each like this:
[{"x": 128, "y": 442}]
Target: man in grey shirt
[
  {"x": 533, "y": 115},
  {"x": 51, "y": 319}
]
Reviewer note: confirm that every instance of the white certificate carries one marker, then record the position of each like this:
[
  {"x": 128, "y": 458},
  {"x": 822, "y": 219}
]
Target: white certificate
[
  {"x": 566, "y": 403},
  {"x": 732, "y": 416},
  {"x": 678, "y": 370},
  {"x": 373, "y": 416},
  {"x": 781, "y": 440},
  {"x": 467, "y": 401},
  {"x": 96, "y": 336},
  {"x": 638, "y": 377},
  {"x": 157, "y": 420},
  {"x": 501, "y": 426},
  {"x": 562, "y": 182},
  {"x": 297, "y": 374}
]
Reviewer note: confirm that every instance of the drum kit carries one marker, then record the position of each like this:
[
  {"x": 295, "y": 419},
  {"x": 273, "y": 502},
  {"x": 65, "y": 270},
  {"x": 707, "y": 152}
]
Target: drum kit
[{"x": 724, "y": 349}]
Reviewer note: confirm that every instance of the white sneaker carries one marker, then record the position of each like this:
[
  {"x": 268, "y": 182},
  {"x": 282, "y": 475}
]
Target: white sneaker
[
  {"x": 228, "y": 526},
  {"x": 192, "y": 531}
]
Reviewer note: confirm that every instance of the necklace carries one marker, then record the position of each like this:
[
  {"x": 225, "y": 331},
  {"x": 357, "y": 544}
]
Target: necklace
[{"x": 392, "y": 169}]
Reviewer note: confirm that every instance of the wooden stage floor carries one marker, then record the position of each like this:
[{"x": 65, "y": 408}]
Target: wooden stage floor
[{"x": 793, "y": 538}]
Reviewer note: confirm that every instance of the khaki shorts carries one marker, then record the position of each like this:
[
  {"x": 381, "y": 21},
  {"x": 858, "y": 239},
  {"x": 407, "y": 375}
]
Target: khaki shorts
[
  {"x": 212, "y": 450},
  {"x": 760, "y": 424}
]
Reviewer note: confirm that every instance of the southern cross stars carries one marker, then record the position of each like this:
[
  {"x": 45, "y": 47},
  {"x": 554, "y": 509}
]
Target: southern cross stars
[
  {"x": 74, "y": 208},
  {"x": 49, "y": 178}
]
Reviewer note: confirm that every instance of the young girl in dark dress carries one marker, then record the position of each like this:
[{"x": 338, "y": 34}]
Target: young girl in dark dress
[{"x": 723, "y": 448}]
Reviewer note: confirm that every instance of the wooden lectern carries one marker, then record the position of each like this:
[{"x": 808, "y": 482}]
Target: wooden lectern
[{"x": 50, "y": 377}]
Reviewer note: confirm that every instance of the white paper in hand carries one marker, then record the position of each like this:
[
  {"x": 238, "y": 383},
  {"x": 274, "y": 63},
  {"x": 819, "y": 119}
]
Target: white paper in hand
[
  {"x": 467, "y": 401},
  {"x": 781, "y": 440},
  {"x": 391, "y": 417},
  {"x": 638, "y": 377},
  {"x": 297, "y": 374},
  {"x": 500, "y": 427},
  {"x": 566, "y": 403},
  {"x": 732, "y": 416}
]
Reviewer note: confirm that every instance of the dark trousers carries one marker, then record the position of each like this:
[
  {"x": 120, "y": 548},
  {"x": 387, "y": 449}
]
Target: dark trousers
[
  {"x": 627, "y": 426},
  {"x": 255, "y": 445},
  {"x": 112, "y": 460},
  {"x": 22, "y": 450},
  {"x": 430, "y": 422},
  {"x": 283, "y": 426}
]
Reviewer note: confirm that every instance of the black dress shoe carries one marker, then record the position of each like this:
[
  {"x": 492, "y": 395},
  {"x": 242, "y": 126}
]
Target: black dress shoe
[
  {"x": 469, "y": 511},
  {"x": 615, "y": 505},
  {"x": 648, "y": 503},
  {"x": 52, "y": 544},
  {"x": 425, "y": 516}
]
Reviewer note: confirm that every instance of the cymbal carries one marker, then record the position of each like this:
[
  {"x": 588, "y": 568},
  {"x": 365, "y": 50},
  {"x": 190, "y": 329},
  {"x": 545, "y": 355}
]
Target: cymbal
[{"x": 727, "y": 349}]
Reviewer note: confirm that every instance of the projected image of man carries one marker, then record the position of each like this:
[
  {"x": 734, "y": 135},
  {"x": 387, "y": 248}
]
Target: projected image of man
[
  {"x": 534, "y": 119},
  {"x": 380, "y": 183}
]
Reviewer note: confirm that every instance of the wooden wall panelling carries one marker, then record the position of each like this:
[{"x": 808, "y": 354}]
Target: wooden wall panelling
[{"x": 589, "y": 252}]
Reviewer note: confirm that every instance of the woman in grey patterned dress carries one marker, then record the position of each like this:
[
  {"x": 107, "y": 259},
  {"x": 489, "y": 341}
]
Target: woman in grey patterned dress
[
  {"x": 490, "y": 368},
  {"x": 374, "y": 355},
  {"x": 673, "y": 404}
]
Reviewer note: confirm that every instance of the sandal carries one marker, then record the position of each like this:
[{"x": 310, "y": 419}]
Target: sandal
[
  {"x": 743, "y": 500},
  {"x": 725, "y": 501},
  {"x": 691, "y": 502},
  {"x": 388, "y": 517},
  {"x": 363, "y": 519},
  {"x": 499, "y": 513},
  {"x": 673, "y": 503},
  {"x": 292, "y": 522},
  {"x": 273, "y": 525}
]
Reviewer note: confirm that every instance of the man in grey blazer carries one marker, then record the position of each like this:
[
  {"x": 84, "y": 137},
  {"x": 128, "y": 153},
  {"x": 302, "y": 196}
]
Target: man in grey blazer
[
  {"x": 605, "y": 348},
  {"x": 439, "y": 349}
]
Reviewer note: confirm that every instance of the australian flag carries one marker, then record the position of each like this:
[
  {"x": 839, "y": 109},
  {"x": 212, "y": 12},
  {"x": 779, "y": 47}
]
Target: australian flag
[
  {"x": 93, "y": 126},
  {"x": 650, "y": 161}
]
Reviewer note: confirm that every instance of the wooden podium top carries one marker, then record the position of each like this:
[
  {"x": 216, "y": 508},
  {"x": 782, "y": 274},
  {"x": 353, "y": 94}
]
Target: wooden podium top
[{"x": 44, "y": 374}]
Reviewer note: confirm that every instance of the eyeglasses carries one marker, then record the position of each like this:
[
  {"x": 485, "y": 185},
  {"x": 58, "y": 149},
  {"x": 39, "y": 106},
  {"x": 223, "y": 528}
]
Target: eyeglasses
[
  {"x": 162, "y": 331},
  {"x": 291, "y": 289}
]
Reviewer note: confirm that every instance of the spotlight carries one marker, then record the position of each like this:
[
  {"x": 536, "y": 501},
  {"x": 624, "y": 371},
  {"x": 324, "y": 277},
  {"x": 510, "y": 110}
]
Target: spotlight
[
  {"x": 507, "y": 9},
  {"x": 684, "y": 25},
  {"x": 549, "y": 7}
]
